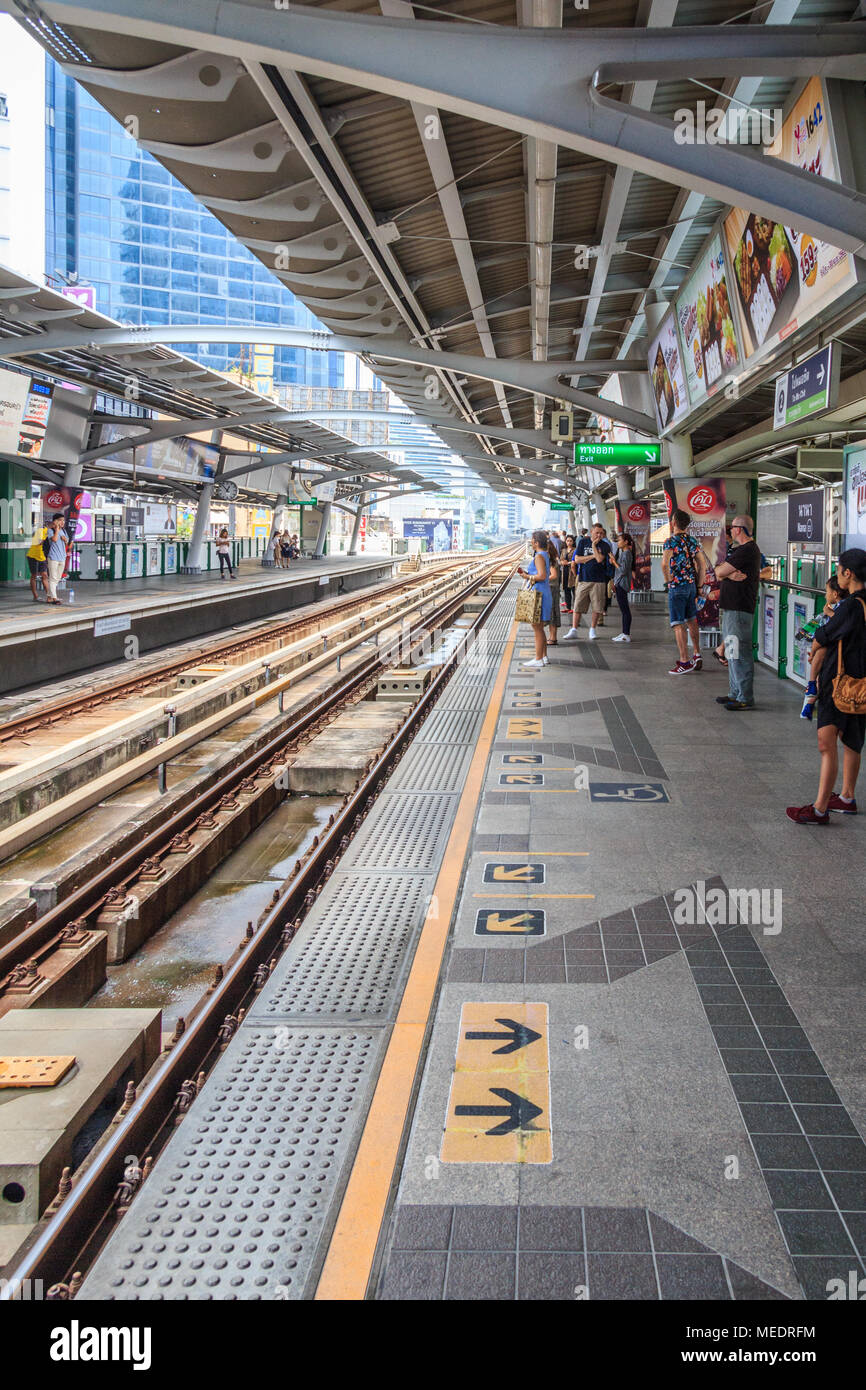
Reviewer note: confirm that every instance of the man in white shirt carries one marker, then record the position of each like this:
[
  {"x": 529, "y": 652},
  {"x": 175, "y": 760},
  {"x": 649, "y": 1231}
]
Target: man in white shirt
[{"x": 57, "y": 545}]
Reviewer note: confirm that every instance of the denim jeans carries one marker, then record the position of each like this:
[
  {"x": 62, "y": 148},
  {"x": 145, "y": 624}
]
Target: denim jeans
[{"x": 737, "y": 634}]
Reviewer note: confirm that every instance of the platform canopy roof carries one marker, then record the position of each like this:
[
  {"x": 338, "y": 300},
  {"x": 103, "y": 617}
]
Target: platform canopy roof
[
  {"x": 420, "y": 176},
  {"x": 263, "y": 442}
]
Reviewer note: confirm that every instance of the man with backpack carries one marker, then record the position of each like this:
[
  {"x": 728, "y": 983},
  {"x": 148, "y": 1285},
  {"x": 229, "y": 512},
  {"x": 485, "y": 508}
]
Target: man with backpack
[{"x": 684, "y": 566}]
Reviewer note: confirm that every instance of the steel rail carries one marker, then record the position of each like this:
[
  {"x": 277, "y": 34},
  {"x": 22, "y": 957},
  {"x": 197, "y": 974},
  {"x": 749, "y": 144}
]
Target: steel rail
[{"x": 70, "y": 1239}]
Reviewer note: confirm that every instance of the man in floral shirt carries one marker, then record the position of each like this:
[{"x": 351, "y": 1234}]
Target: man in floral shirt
[{"x": 685, "y": 566}]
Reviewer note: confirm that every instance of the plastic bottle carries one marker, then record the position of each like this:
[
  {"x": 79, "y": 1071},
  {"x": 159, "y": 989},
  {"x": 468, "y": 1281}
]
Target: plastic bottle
[{"x": 70, "y": 594}]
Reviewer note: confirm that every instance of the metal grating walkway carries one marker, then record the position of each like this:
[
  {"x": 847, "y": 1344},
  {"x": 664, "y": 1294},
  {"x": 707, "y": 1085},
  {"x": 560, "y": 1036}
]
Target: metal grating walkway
[{"x": 241, "y": 1202}]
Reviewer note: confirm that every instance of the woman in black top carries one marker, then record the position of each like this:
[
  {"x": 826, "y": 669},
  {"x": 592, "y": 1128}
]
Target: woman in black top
[{"x": 848, "y": 624}]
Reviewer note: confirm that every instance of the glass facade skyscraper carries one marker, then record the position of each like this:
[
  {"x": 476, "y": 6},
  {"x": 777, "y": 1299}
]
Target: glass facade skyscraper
[{"x": 122, "y": 223}]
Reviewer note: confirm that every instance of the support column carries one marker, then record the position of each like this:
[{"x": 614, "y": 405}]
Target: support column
[
  {"x": 356, "y": 526},
  {"x": 324, "y": 527},
  {"x": 600, "y": 508},
  {"x": 585, "y": 514},
  {"x": 202, "y": 515}
]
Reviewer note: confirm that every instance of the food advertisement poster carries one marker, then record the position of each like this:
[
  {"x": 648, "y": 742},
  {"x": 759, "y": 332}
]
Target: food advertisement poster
[
  {"x": 705, "y": 503},
  {"x": 802, "y": 612},
  {"x": 768, "y": 626},
  {"x": 634, "y": 519},
  {"x": 784, "y": 276},
  {"x": 666, "y": 374},
  {"x": 707, "y": 331}
]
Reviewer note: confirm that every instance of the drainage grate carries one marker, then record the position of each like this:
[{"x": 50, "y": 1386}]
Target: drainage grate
[
  {"x": 239, "y": 1202},
  {"x": 351, "y": 952},
  {"x": 432, "y": 767},
  {"x": 408, "y": 834},
  {"x": 451, "y": 726}
]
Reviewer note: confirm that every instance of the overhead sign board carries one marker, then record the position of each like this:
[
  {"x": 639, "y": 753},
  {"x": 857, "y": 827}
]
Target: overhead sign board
[
  {"x": 616, "y": 455},
  {"x": 807, "y": 389},
  {"x": 562, "y": 506},
  {"x": 806, "y": 516}
]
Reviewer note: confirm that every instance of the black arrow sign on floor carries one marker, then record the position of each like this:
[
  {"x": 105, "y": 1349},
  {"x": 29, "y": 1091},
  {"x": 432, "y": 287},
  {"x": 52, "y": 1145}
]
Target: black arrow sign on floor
[
  {"x": 519, "y": 1111},
  {"x": 518, "y": 1036}
]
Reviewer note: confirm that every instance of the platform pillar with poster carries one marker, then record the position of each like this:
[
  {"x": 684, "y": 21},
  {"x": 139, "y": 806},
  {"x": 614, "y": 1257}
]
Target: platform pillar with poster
[{"x": 16, "y": 522}]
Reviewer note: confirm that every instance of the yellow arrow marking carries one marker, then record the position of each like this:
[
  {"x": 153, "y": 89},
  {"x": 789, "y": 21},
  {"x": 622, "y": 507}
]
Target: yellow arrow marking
[
  {"x": 496, "y": 922},
  {"x": 521, "y": 873}
]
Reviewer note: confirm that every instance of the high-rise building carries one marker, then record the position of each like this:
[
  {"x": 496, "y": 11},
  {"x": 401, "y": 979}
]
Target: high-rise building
[
  {"x": 22, "y": 150},
  {"x": 116, "y": 220}
]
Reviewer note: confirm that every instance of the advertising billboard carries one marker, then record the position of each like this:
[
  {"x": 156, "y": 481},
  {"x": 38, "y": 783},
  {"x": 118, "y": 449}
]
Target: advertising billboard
[
  {"x": 170, "y": 458},
  {"x": 784, "y": 276},
  {"x": 855, "y": 497},
  {"x": 709, "y": 338},
  {"x": 34, "y": 421},
  {"x": 666, "y": 374},
  {"x": 634, "y": 519},
  {"x": 14, "y": 389},
  {"x": 437, "y": 531}
]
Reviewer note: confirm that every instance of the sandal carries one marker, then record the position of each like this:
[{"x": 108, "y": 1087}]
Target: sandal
[{"x": 720, "y": 659}]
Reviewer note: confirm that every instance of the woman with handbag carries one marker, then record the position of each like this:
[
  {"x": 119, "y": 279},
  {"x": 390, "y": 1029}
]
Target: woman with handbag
[
  {"x": 538, "y": 575},
  {"x": 838, "y": 691}
]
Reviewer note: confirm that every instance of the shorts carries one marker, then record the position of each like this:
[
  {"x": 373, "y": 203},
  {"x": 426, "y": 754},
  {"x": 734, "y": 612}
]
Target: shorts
[
  {"x": 590, "y": 593},
  {"x": 36, "y": 566},
  {"x": 681, "y": 603},
  {"x": 852, "y": 727}
]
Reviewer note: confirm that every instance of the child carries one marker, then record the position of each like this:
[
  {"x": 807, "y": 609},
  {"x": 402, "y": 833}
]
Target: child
[{"x": 832, "y": 595}]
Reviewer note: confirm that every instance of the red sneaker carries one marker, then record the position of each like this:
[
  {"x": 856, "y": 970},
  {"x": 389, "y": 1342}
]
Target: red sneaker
[
  {"x": 806, "y": 815},
  {"x": 838, "y": 803},
  {"x": 681, "y": 668}
]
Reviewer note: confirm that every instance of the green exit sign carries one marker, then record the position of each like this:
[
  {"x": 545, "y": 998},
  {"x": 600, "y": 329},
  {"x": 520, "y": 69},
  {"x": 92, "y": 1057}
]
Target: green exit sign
[
  {"x": 618, "y": 455},
  {"x": 562, "y": 506}
]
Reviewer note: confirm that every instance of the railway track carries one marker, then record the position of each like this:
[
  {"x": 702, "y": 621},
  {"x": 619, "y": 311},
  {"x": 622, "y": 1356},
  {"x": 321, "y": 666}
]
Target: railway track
[
  {"x": 87, "y": 1208},
  {"x": 62, "y": 708}
]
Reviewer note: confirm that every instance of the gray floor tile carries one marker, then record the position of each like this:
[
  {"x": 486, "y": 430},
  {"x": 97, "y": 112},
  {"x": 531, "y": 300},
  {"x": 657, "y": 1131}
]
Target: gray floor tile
[
  {"x": 551, "y": 1228},
  {"x": 815, "y": 1233},
  {"x": 692, "y": 1276},
  {"x": 480, "y": 1275},
  {"x": 415, "y": 1275},
  {"x": 550, "y": 1277},
  {"x": 611, "y": 1229},
  {"x": 614, "y": 1277},
  {"x": 819, "y": 1275},
  {"x": 799, "y": 1190},
  {"x": 484, "y": 1228}
]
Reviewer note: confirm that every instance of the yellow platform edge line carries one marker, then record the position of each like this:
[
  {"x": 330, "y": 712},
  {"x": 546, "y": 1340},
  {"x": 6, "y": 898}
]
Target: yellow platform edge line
[{"x": 352, "y": 1249}]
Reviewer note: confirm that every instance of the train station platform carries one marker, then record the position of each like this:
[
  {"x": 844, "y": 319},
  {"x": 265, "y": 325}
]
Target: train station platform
[
  {"x": 574, "y": 1018},
  {"x": 39, "y": 642}
]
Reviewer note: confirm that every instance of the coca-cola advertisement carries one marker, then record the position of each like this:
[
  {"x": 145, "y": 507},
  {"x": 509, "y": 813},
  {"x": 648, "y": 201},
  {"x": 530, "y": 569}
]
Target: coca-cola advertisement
[
  {"x": 634, "y": 519},
  {"x": 69, "y": 501},
  {"x": 704, "y": 501}
]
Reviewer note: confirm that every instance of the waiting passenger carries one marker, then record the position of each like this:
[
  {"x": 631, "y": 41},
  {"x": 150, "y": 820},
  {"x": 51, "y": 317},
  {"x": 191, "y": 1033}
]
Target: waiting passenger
[
  {"x": 566, "y": 578},
  {"x": 224, "y": 552},
  {"x": 591, "y": 559},
  {"x": 57, "y": 549},
  {"x": 684, "y": 566},
  {"x": 37, "y": 563},
  {"x": 624, "y": 561},
  {"x": 538, "y": 573},
  {"x": 555, "y": 586},
  {"x": 738, "y": 596},
  {"x": 285, "y": 550},
  {"x": 848, "y": 627},
  {"x": 294, "y": 548}
]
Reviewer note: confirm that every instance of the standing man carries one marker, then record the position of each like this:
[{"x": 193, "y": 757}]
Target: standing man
[
  {"x": 58, "y": 545},
  {"x": 738, "y": 596},
  {"x": 590, "y": 561},
  {"x": 684, "y": 566}
]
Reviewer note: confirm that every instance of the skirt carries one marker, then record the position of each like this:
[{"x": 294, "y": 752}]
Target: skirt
[
  {"x": 546, "y": 600},
  {"x": 852, "y": 727}
]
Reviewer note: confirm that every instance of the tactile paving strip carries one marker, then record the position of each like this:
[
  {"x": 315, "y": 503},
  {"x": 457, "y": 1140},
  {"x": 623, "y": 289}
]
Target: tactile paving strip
[
  {"x": 451, "y": 726},
  {"x": 436, "y": 768},
  {"x": 242, "y": 1196},
  {"x": 409, "y": 833},
  {"x": 351, "y": 952}
]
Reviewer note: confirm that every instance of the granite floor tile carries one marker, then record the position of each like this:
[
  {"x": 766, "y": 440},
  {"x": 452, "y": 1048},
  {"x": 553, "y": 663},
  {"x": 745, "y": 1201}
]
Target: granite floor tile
[
  {"x": 481, "y": 1275},
  {"x": 692, "y": 1276}
]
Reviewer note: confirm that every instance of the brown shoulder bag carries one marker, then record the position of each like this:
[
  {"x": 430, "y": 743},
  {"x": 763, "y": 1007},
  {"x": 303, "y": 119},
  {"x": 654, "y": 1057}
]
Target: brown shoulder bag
[{"x": 849, "y": 692}]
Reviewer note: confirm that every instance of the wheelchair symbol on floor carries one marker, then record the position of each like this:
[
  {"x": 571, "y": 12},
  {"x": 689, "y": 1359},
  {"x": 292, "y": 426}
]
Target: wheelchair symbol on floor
[{"x": 627, "y": 791}]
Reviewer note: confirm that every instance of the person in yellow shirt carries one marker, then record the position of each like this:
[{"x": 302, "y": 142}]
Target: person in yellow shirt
[{"x": 37, "y": 563}]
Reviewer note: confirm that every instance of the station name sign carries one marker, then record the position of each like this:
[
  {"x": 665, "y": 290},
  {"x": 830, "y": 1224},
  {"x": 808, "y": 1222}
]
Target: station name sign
[
  {"x": 618, "y": 455},
  {"x": 807, "y": 389}
]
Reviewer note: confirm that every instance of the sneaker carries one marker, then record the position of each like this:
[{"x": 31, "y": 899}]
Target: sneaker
[
  {"x": 532, "y": 665},
  {"x": 697, "y": 662},
  {"x": 681, "y": 668},
  {"x": 622, "y": 638},
  {"x": 592, "y": 634},
  {"x": 571, "y": 634},
  {"x": 723, "y": 699},
  {"x": 806, "y": 815},
  {"x": 545, "y": 661},
  {"x": 845, "y": 808},
  {"x": 738, "y": 704}
]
